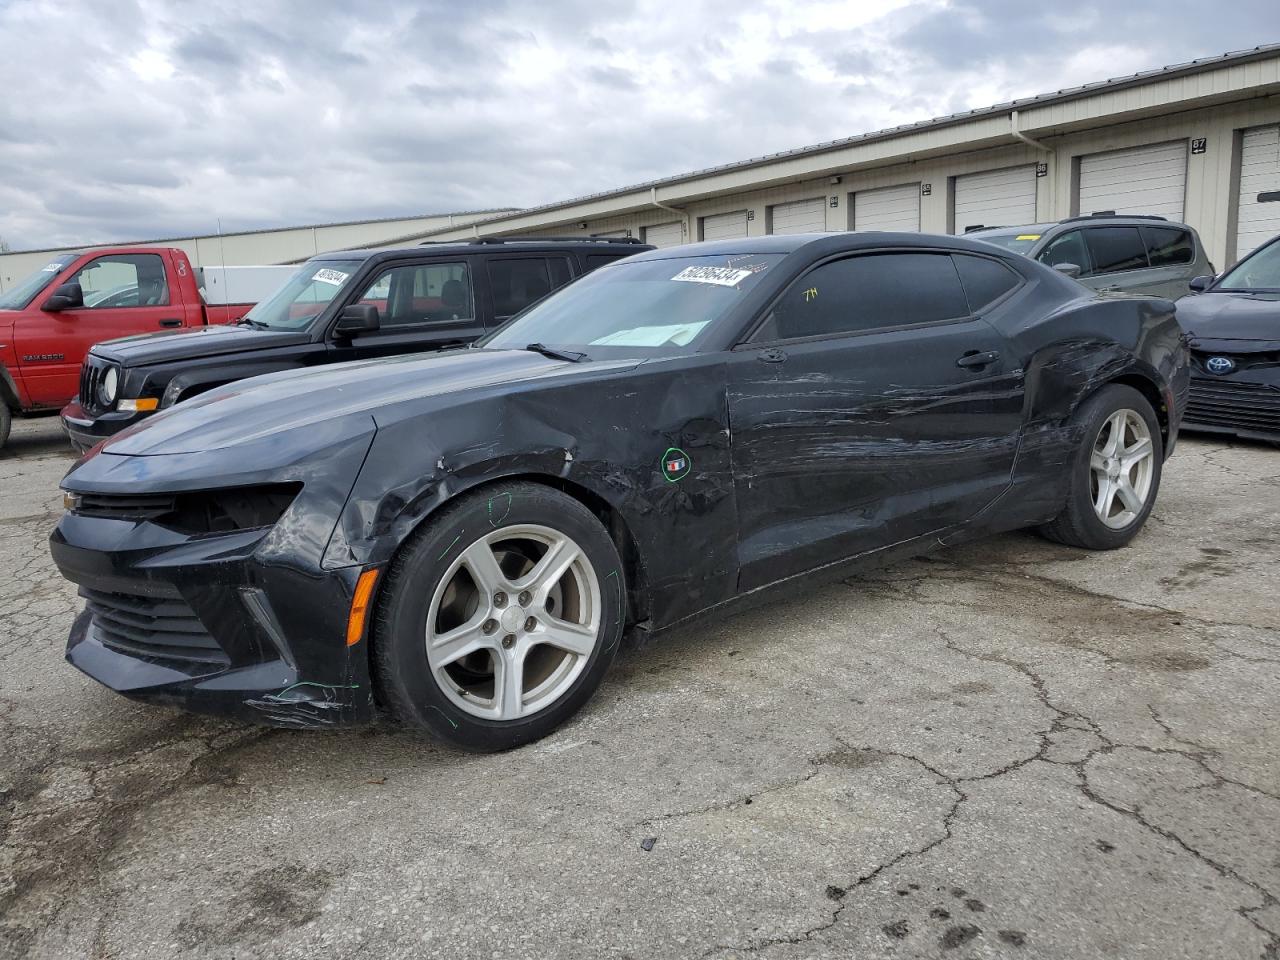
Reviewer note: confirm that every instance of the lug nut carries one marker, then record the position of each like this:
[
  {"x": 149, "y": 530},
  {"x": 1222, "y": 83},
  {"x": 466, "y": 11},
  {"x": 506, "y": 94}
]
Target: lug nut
[
  {"x": 490, "y": 626},
  {"x": 525, "y": 597},
  {"x": 499, "y": 599},
  {"x": 509, "y": 640},
  {"x": 530, "y": 625}
]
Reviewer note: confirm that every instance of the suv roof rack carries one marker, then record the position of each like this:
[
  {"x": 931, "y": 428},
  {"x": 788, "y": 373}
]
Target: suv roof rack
[
  {"x": 1112, "y": 213},
  {"x": 488, "y": 240},
  {"x": 980, "y": 226}
]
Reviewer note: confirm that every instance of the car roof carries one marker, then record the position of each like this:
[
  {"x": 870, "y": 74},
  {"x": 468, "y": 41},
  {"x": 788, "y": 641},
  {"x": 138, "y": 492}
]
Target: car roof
[
  {"x": 821, "y": 244},
  {"x": 1101, "y": 219}
]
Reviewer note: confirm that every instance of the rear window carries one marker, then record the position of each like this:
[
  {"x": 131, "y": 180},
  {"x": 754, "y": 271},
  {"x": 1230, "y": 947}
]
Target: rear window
[
  {"x": 1019, "y": 241},
  {"x": 1168, "y": 246}
]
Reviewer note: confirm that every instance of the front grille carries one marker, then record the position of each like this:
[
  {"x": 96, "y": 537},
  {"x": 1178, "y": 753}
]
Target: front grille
[
  {"x": 143, "y": 506},
  {"x": 150, "y": 627},
  {"x": 91, "y": 374},
  {"x": 1237, "y": 404}
]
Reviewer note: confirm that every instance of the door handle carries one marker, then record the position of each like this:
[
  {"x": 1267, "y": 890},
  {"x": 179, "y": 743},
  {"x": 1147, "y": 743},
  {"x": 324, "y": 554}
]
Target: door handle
[
  {"x": 171, "y": 322},
  {"x": 972, "y": 358},
  {"x": 772, "y": 355}
]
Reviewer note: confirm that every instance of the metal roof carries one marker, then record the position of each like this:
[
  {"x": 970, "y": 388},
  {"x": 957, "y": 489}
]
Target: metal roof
[
  {"x": 1070, "y": 93},
  {"x": 301, "y": 226}
]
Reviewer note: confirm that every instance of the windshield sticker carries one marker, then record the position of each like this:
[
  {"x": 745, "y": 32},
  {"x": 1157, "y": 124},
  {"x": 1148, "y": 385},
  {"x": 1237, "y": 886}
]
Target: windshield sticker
[
  {"x": 678, "y": 334},
  {"x": 1027, "y": 236},
  {"x": 52, "y": 268},
  {"x": 720, "y": 276},
  {"x": 335, "y": 277}
]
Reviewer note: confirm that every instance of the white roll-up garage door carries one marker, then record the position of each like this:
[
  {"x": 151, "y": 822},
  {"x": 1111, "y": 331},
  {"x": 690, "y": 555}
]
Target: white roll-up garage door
[
  {"x": 725, "y": 226},
  {"x": 996, "y": 198},
  {"x": 664, "y": 235},
  {"x": 1257, "y": 222},
  {"x": 1142, "y": 180},
  {"x": 889, "y": 208},
  {"x": 802, "y": 216}
]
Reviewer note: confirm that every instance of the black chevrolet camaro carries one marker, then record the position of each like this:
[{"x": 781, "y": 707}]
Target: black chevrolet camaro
[
  {"x": 1234, "y": 325},
  {"x": 461, "y": 539}
]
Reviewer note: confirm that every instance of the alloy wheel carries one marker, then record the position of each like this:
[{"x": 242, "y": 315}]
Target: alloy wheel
[
  {"x": 513, "y": 622},
  {"x": 1121, "y": 468}
]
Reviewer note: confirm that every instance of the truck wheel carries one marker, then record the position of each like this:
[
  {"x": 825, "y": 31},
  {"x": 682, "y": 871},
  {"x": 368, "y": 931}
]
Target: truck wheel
[
  {"x": 6, "y": 422},
  {"x": 497, "y": 620},
  {"x": 1115, "y": 474}
]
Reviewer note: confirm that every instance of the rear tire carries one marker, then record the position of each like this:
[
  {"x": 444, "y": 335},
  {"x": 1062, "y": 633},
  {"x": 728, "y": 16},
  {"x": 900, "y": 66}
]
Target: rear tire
[
  {"x": 1115, "y": 475},
  {"x": 498, "y": 619}
]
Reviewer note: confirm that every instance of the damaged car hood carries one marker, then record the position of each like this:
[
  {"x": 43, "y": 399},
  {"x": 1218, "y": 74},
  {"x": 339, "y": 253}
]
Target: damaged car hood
[
  {"x": 1231, "y": 316},
  {"x": 296, "y": 399}
]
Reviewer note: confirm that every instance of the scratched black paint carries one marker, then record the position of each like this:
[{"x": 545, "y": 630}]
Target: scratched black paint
[{"x": 802, "y": 456}]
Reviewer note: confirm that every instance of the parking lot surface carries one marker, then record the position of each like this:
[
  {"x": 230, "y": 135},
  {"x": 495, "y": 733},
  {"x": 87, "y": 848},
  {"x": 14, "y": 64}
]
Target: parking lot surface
[{"x": 1011, "y": 749}]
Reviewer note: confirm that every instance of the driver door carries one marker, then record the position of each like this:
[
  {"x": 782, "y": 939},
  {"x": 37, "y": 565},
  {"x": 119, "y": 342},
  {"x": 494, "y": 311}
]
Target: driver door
[
  {"x": 872, "y": 406},
  {"x": 424, "y": 305}
]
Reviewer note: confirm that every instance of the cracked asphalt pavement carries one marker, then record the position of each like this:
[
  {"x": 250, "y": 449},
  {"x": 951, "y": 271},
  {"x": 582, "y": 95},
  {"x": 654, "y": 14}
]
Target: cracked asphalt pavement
[{"x": 1011, "y": 749}]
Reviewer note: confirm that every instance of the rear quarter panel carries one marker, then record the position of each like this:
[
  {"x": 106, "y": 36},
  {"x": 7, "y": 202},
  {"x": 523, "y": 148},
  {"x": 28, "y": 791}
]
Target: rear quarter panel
[{"x": 1070, "y": 353}]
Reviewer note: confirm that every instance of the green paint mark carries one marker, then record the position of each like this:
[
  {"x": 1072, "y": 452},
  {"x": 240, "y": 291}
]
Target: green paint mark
[
  {"x": 676, "y": 464},
  {"x": 506, "y": 508},
  {"x": 449, "y": 547},
  {"x": 443, "y": 714}
]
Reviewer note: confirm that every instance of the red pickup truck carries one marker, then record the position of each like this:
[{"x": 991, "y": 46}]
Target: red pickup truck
[{"x": 49, "y": 321}]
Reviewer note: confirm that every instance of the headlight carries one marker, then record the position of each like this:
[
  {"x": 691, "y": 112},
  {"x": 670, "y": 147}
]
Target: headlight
[{"x": 108, "y": 387}]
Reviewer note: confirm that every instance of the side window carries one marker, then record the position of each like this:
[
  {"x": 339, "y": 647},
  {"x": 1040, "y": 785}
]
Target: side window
[
  {"x": 985, "y": 281},
  {"x": 1168, "y": 246},
  {"x": 123, "y": 280},
  {"x": 518, "y": 283},
  {"x": 1068, "y": 248},
  {"x": 1114, "y": 249},
  {"x": 421, "y": 293},
  {"x": 867, "y": 292}
]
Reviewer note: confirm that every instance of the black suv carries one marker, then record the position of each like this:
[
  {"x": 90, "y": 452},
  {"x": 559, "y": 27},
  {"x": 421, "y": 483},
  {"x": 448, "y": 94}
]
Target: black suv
[
  {"x": 346, "y": 305},
  {"x": 1111, "y": 253}
]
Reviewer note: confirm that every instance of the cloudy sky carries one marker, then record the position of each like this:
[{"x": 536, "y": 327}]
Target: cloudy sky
[{"x": 133, "y": 119}]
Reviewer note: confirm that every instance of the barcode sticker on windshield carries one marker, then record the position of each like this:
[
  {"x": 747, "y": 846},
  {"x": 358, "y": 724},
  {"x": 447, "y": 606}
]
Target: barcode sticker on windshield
[
  {"x": 335, "y": 277},
  {"x": 720, "y": 276}
]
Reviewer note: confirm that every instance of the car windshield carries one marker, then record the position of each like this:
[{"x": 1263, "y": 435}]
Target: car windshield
[
  {"x": 296, "y": 305},
  {"x": 1019, "y": 241},
  {"x": 643, "y": 308},
  {"x": 1260, "y": 271},
  {"x": 20, "y": 296}
]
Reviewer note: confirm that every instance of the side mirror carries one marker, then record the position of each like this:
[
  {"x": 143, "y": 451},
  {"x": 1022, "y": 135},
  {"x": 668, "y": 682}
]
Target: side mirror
[
  {"x": 1071, "y": 270},
  {"x": 68, "y": 296},
  {"x": 357, "y": 319},
  {"x": 1201, "y": 284}
]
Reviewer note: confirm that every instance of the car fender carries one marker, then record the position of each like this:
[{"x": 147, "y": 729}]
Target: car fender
[
  {"x": 579, "y": 437},
  {"x": 10, "y": 395}
]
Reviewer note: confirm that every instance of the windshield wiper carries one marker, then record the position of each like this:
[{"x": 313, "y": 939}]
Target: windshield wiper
[
  {"x": 571, "y": 355},
  {"x": 248, "y": 322}
]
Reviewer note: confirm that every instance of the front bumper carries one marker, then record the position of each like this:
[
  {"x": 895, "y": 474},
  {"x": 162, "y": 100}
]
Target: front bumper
[
  {"x": 87, "y": 430},
  {"x": 201, "y": 623},
  {"x": 1239, "y": 405},
  {"x": 217, "y": 619}
]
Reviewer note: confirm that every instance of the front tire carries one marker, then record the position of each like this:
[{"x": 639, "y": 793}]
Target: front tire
[
  {"x": 6, "y": 423},
  {"x": 1115, "y": 475},
  {"x": 498, "y": 619}
]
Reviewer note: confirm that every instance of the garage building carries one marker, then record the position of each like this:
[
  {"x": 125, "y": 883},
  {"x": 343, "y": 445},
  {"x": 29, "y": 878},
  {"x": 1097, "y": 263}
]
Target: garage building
[{"x": 1198, "y": 142}]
